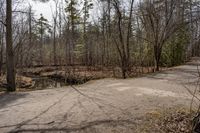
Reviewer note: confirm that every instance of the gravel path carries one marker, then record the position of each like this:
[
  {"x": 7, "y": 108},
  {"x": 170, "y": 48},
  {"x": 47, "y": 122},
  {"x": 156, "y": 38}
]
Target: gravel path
[{"x": 102, "y": 106}]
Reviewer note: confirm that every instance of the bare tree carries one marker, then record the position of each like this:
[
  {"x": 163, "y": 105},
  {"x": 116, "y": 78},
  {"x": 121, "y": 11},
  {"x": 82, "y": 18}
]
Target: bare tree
[
  {"x": 1, "y": 47},
  {"x": 123, "y": 46},
  {"x": 54, "y": 31},
  {"x": 9, "y": 48},
  {"x": 158, "y": 28}
]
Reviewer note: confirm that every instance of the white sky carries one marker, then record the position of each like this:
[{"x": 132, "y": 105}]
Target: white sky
[
  {"x": 43, "y": 8},
  {"x": 46, "y": 8}
]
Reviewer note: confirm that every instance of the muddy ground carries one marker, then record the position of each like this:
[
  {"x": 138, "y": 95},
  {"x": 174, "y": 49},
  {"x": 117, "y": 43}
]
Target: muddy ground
[{"x": 46, "y": 77}]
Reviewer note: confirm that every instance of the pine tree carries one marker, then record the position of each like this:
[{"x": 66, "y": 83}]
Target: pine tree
[
  {"x": 87, "y": 6},
  {"x": 42, "y": 29},
  {"x": 73, "y": 18}
]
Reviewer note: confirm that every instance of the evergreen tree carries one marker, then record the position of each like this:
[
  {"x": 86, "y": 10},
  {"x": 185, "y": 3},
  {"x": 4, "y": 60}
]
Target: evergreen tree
[
  {"x": 87, "y": 6},
  {"x": 73, "y": 19},
  {"x": 43, "y": 28}
]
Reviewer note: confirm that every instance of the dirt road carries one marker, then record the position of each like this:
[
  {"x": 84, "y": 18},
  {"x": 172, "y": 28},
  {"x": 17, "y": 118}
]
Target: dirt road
[{"x": 102, "y": 106}]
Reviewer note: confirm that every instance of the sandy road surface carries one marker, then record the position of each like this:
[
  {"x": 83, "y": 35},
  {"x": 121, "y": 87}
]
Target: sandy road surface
[{"x": 102, "y": 106}]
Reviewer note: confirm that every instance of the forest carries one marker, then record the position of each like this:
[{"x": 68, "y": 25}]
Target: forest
[
  {"x": 95, "y": 39},
  {"x": 129, "y": 37}
]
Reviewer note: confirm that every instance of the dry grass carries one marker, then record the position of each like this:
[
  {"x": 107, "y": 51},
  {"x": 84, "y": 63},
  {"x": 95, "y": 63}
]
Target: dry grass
[{"x": 172, "y": 120}]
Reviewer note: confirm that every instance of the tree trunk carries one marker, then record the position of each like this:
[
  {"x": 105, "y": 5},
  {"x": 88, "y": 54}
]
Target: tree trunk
[
  {"x": 129, "y": 32},
  {"x": 85, "y": 38},
  {"x": 157, "y": 54},
  {"x": 41, "y": 45},
  {"x": 124, "y": 68},
  {"x": 9, "y": 49},
  {"x": 157, "y": 66},
  {"x": 30, "y": 31},
  {"x": 54, "y": 33},
  {"x": 1, "y": 53},
  {"x": 54, "y": 43}
]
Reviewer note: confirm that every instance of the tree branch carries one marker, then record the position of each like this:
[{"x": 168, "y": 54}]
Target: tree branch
[
  {"x": 20, "y": 12},
  {"x": 1, "y": 21}
]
